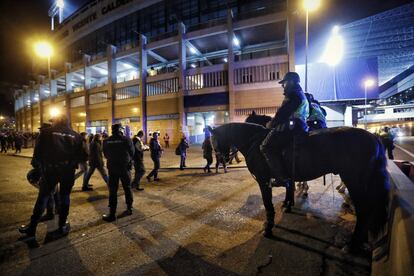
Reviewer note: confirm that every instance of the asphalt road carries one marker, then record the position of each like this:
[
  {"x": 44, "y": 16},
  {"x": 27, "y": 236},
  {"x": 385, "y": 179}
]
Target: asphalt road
[
  {"x": 189, "y": 223},
  {"x": 404, "y": 148}
]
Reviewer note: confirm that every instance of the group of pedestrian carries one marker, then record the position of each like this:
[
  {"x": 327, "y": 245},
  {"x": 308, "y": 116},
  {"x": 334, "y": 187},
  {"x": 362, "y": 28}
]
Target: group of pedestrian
[{"x": 11, "y": 140}]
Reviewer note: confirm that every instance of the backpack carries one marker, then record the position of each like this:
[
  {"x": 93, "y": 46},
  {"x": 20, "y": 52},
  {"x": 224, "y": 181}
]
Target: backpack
[{"x": 178, "y": 150}]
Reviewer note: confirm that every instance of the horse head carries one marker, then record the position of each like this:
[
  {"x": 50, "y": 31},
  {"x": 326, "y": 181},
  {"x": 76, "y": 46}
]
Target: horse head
[{"x": 258, "y": 119}]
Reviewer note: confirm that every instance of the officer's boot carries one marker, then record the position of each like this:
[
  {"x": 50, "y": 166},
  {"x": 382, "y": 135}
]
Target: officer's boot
[
  {"x": 64, "y": 226},
  {"x": 128, "y": 211},
  {"x": 111, "y": 216},
  {"x": 28, "y": 229},
  {"x": 49, "y": 215}
]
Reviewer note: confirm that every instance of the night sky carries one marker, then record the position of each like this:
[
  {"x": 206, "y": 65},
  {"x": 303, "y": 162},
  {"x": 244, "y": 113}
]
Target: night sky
[{"x": 23, "y": 21}]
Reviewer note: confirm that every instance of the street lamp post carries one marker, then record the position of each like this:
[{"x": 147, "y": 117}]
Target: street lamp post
[
  {"x": 310, "y": 5},
  {"x": 367, "y": 83},
  {"x": 44, "y": 50}
]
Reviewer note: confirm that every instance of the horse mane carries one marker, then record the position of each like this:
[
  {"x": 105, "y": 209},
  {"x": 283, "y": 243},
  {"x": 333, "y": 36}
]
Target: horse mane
[
  {"x": 258, "y": 119},
  {"x": 239, "y": 134}
]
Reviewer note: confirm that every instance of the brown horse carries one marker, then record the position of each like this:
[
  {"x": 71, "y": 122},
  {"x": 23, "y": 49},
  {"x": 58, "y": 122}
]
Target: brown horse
[{"x": 355, "y": 154}]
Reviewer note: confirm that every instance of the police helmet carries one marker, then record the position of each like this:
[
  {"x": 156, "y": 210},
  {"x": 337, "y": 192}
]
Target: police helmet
[
  {"x": 33, "y": 176},
  {"x": 291, "y": 76}
]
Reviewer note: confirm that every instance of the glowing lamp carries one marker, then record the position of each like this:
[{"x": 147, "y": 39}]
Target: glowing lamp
[
  {"x": 54, "y": 112},
  {"x": 43, "y": 49},
  {"x": 311, "y": 5}
]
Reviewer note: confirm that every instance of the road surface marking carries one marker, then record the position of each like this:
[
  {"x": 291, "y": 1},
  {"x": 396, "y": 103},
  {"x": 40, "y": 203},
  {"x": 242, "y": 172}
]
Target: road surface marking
[{"x": 404, "y": 150}]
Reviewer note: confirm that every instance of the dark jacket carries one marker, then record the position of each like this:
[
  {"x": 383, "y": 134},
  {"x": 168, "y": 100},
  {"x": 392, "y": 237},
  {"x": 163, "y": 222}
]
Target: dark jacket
[
  {"x": 294, "y": 107},
  {"x": 58, "y": 145},
  {"x": 207, "y": 149},
  {"x": 119, "y": 151},
  {"x": 95, "y": 154},
  {"x": 155, "y": 148},
  {"x": 183, "y": 146}
]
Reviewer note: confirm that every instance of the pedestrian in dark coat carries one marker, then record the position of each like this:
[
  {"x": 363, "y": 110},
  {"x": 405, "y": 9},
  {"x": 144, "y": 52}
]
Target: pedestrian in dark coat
[
  {"x": 18, "y": 143},
  {"x": 183, "y": 146},
  {"x": 3, "y": 139},
  {"x": 208, "y": 153},
  {"x": 139, "y": 160},
  {"x": 96, "y": 160},
  {"x": 156, "y": 152}
]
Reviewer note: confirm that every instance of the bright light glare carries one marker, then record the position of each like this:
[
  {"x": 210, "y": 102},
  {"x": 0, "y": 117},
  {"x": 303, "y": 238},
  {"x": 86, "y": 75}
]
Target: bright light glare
[
  {"x": 43, "y": 49},
  {"x": 1, "y": 118},
  {"x": 369, "y": 83},
  {"x": 60, "y": 4},
  {"x": 193, "y": 65},
  {"x": 225, "y": 59},
  {"x": 192, "y": 50},
  {"x": 102, "y": 71},
  {"x": 236, "y": 41},
  {"x": 54, "y": 112},
  {"x": 334, "y": 50},
  {"x": 127, "y": 65},
  {"x": 311, "y": 5}
]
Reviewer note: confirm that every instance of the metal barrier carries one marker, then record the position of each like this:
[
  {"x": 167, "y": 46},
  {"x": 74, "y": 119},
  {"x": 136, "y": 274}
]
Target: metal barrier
[{"x": 396, "y": 255}]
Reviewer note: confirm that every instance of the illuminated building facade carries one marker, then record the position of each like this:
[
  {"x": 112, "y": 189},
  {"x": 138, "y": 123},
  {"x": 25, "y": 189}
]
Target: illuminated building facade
[{"x": 173, "y": 66}]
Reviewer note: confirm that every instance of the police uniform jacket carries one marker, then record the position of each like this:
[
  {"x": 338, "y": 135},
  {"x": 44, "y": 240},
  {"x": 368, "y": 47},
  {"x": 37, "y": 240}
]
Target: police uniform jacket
[
  {"x": 119, "y": 152},
  {"x": 59, "y": 146},
  {"x": 294, "y": 107}
]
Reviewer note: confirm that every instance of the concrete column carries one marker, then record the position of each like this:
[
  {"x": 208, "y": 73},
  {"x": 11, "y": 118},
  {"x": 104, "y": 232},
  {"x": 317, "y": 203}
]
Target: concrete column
[
  {"x": 31, "y": 97},
  {"x": 110, "y": 54},
  {"x": 68, "y": 90},
  {"x": 290, "y": 35},
  {"x": 143, "y": 83},
  {"x": 348, "y": 116},
  {"x": 68, "y": 77},
  {"x": 182, "y": 65},
  {"x": 87, "y": 85},
  {"x": 230, "y": 65}
]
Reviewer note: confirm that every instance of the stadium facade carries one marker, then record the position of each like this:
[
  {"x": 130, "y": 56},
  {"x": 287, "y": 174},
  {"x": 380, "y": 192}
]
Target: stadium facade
[{"x": 172, "y": 66}]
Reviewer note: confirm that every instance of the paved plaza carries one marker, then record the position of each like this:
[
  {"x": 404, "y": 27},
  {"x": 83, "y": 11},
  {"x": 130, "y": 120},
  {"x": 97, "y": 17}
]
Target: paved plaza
[{"x": 189, "y": 223}]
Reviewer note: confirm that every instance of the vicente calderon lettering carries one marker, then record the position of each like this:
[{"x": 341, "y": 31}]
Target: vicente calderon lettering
[
  {"x": 105, "y": 10},
  {"x": 114, "y": 5},
  {"x": 88, "y": 19}
]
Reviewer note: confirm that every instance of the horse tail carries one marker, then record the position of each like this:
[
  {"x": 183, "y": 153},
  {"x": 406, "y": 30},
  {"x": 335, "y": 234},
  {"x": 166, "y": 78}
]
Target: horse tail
[{"x": 378, "y": 192}]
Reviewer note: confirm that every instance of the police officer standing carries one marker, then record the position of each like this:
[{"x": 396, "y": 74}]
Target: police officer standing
[
  {"x": 58, "y": 151},
  {"x": 119, "y": 152},
  {"x": 289, "y": 122}
]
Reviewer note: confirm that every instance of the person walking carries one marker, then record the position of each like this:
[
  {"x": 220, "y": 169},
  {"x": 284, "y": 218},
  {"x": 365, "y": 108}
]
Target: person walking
[
  {"x": 58, "y": 150},
  {"x": 83, "y": 166},
  {"x": 95, "y": 160},
  {"x": 208, "y": 153},
  {"x": 119, "y": 151},
  {"x": 166, "y": 140},
  {"x": 387, "y": 139},
  {"x": 3, "y": 140},
  {"x": 18, "y": 143},
  {"x": 139, "y": 161},
  {"x": 156, "y": 152},
  {"x": 183, "y": 146}
]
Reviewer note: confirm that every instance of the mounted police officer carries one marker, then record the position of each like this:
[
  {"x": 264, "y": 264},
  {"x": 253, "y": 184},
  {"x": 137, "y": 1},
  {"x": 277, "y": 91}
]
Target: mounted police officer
[
  {"x": 119, "y": 152},
  {"x": 288, "y": 123},
  {"x": 58, "y": 151},
  {"x": 317, "y": 114}
]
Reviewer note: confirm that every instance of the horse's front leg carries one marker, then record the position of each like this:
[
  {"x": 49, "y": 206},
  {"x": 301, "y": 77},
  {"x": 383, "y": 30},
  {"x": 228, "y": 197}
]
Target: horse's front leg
[
  {"x": 270, "y": 211},
  {"x": 289, "y": 196}
]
